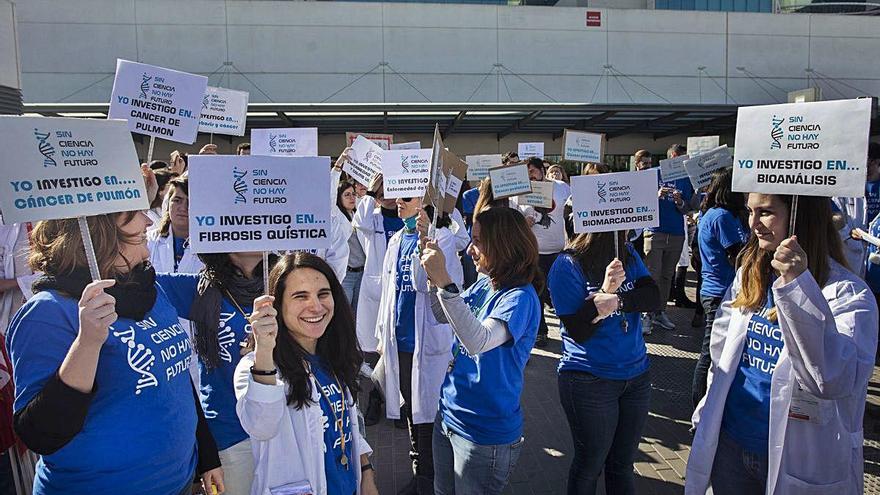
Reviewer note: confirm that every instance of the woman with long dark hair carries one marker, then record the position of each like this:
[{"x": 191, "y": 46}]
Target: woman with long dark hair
[
  {"x": 721, "y": 235},
  {"x": 296, "y": 390},
  {"x": 346, "y": 202},
  {"x": 792, "y": 349},
  {"x": 604, "y": 380},
  {"x": 169, "y": 243}
]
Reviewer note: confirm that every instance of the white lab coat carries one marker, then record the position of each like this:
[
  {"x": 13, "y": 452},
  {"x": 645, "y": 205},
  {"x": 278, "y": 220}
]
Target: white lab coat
[
  {"x": 856, "y": 252},
  {"x": 459, "y": 230},
  {"x": 368, "y": 223},
  {"x": 8, "y": 238},
  {"x": 288, "y": 443},
  {"x": 162, "y": 254},
  {"x": 830, "y": 336},
  {"x": 337, "y": 254},
  {"x": 433, "y": 340}
]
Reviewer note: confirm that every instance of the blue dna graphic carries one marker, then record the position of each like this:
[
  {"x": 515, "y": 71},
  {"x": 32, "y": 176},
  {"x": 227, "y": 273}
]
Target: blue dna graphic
[
  {"x": 404, "y": 163},
  {"x": 205, "y": 101},
  {"x": 600, "y": 191},
  {"x": 239, "y": 185},
  {"x": 46, "y": 148},
  {"x": 140, "y": 359},
  {"x": 145, "y": 85},
  {"x": 776, "y": 132},
  {"x": 272, "y": 143}
]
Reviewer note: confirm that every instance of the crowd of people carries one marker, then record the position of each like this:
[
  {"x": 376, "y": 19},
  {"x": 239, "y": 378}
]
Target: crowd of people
[{"x": 178, "y": 371}]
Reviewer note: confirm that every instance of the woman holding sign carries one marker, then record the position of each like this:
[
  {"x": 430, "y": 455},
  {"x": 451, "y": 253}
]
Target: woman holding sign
[
  {"x": 478, "y": 429},
  {"x": 604, "y": 382},
  {"x": 296, "y": 389},
  {"x": 103, "y": 391},
  {"x": 792, "y": 350},
  {"x": 414, "y": 346}
]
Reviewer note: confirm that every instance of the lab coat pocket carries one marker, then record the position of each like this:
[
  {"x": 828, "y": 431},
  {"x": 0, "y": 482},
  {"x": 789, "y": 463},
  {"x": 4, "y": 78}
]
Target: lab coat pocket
[
  {"x": 438, "y": 337},
  {"x": 794, "y": 485}
]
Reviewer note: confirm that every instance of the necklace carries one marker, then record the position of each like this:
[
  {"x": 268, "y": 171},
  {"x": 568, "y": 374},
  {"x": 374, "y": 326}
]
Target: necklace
[
  {"x": 247, "y": 344},
  {"x": 338, "y": 420}
]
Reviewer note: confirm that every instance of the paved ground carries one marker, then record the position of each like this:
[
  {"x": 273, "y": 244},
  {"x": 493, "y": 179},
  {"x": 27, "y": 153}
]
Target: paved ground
[{"x": 660, "y": 465}]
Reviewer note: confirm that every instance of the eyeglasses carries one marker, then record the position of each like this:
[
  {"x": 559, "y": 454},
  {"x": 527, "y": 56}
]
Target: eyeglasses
[{"x": 407, "y": 199}]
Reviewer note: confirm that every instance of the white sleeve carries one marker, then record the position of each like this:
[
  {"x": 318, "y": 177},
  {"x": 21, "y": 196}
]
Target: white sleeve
[
  {"x": 337, "y": 253},
  {"x": 462, "y": 238},
  {"x": 260, "y": 407}
]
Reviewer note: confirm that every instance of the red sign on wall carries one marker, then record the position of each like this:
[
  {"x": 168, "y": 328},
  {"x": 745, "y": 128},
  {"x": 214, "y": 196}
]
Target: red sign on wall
[{"x": 594, "y": 18}]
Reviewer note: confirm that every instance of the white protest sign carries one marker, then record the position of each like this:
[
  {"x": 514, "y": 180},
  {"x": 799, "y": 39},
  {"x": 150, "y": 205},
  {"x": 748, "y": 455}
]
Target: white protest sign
[
  {"x": 224, "y": 111},
  {"x": 55, "y": 168},
  {"x": 291, "y": 141},
  {"x": 406, "y": 173},
  {"x": 701, "y": 168},
  {"x": 815, "y": 149},
  {"x": 156, "y": 101},
  {"x": 527, "y": 150},
  {"x": 382, "y": 140},
  {"x": 673, "y": 168},
  {"x": 541, "y": 195},
  {"x": 510, "y": 181},
  {"x": 479, "y": 165},
  {"x": 414, "y": 145},
  {"x": 618, "y": 201},
  {"x": 702, "y": 144},
  {"x": 258, "y": 203},
  {"x": 580, "y": 146},
  {"x": 365, "y": 160}
]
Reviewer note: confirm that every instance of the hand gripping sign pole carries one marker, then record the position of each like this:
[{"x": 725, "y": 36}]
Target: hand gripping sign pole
[
  {"x": 89, "y": 248},
  {"x": 150, "y": 150},
  {"x": 266, "y": 273}
]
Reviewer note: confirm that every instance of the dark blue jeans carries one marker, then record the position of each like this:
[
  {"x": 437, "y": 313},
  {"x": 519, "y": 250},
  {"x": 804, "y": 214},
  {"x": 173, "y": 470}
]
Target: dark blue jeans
[
  {"x": 701, "y": 372},
  {"x": 606, "y": 418},
  {"x": 737, "y": 471}
]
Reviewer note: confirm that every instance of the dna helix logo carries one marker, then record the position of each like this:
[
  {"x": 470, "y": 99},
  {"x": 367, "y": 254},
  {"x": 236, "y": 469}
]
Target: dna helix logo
[
  {"x": 45, "y": 147},
  {"x": 140, "y": 360},
  {"x": 205, "y": 100},
  {"x": 145, "y": 85},
  {"x": 601, "y": 192},
  {"x": 776, "y": 132},
  {"x": 272, "y": 143},
  {"x": 239, "y": 186},
  {"x": 404, "y": 163}
]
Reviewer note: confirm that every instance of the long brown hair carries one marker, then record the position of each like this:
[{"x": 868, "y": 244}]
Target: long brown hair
[
  {"x": 486, "y": 198},
  {"x": 57, "y": 246},
  {"x": 510, "y": 248},
  {"x": 816, "y": 236},
  {"x": 594, "y": 250}
]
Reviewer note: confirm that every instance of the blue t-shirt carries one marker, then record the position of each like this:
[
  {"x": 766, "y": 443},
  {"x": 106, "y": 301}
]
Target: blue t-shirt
[
  {"x": 872, "y": 200},
  {"x": 405, "y": 320},
  {"x": 340, "y": 480},
  {"x": 140, "y": 429},
  {"x": 480, "y": 397},
  {"x": 217, "y": 391},
  {"x": 872, "y": 272},
  {"x": 391, "y": 226},
  {"x": 719, "y": 230},
  {"x": 178, "y": 250},
  {"x": 671, "y": 221},
  {"x": 614, "y": 352},
  {"x": 747, "y": 410}
]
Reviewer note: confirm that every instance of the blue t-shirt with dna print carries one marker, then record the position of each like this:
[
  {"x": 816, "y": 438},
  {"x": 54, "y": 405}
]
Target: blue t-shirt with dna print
[
  {"x": 216, "y": 384},
  {"x": 140, "y": 429}
]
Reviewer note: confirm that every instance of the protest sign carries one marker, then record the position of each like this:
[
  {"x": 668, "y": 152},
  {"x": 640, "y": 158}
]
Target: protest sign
[
  {"x": 541, "y": 195},
  {"x": 224, "y": 111},
  {"x": 258, "y": 203},
  {"x": 580, "y": 146},
  {"x": 702, "y": 144},
  {"x": 479, "y": 165},
  {"x": 382, "y": 140},
  {"x": 814, "y": 149},
  {"x": 365, "y": 160},
  {"x": 673, "y": 168},
  {"x": 527, "y": 150},
  {"x": 406, "y": 173},
  {"x": 511, "y": 180},
  {"x": 413, "y": 145},
  {"x": 458, "y": 171},
  {"x": 292, "y": 141},
  {"x": 55, "y": 168},
  {"x": 701, "y": 167},
  {"x": 156, "y": 101},
  {"x": 617, "y": 201}
]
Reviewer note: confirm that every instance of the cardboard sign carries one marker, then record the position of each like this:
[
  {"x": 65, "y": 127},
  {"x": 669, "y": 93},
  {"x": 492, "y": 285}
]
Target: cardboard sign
[
  {"x": 701, "y": 168},
  {"x": 383, "y": 141},
  {"x": 479, "y": 165},
  {"x": 527, "y": 150},
  {"x": 365, "y": 161},
  {"x": 258, "y": 203},
  {"x": 618, "y": 201},
  {"x": 814, "y": 149},
  {"x": 580, "y": 146},
  {"x": 541, "y": 195},
  {"x": 63, "y": 168},
  {"x": 436, "y": 192},
  {"x": 458, "y": 172},
  {"x": 224, "y": 111},
  {"x": 512, "y": 180},
  {"x": 702, "y": 144},
  {"x": 158, "y": 102},
  {"x": 292, "y": 141},
  {"x": 406, "y": 173},
  {"x": 414, "y": 145},
  {"x": 673, "y": 168}
]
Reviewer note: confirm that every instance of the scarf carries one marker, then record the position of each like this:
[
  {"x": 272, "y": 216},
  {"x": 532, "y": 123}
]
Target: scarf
[{"x": 135, "y": 291}]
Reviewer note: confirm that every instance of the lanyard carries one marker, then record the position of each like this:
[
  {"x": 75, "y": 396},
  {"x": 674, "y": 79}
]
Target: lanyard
[
  {"x": 339, "y": 420},
  {"x": 248, "y": 344}
]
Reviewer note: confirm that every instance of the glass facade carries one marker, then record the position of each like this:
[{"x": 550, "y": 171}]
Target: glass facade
[{"x": 716, "y": 5}]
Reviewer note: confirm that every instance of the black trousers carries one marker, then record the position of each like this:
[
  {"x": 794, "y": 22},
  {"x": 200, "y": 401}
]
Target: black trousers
[
  {"x": 545, "y": 261},
  {"x": 420, "y": 435}
]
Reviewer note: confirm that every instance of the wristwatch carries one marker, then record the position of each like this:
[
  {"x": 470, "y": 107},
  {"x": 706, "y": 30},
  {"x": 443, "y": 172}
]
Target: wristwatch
[{"x": 451, "y": 288}]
